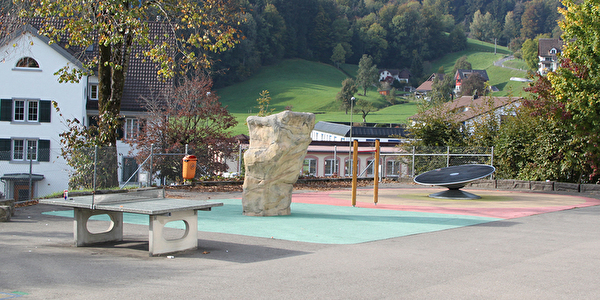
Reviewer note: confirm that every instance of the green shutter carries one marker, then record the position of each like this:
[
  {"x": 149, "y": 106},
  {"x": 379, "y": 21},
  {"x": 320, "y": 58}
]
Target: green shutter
[
  {"x": 43, "y": 150},
  {"x": 6, "y": 110},
  {"x": 4, "y": 149},
  {"x": 45, "y": 111}
]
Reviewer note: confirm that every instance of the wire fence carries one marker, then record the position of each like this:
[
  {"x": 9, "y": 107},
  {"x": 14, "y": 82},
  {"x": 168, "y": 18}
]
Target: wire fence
[
  {"x": 30, "y": 175},
  {"x": 418, "y": 160}
]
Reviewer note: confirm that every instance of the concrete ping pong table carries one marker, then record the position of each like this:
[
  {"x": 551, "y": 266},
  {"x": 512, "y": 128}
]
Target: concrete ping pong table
[{"x": 149, "y": 201}]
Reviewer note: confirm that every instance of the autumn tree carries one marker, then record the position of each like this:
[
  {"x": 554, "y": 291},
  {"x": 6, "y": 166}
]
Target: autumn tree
[
  {"x": 434, "y": 126},
  {"x": 442, "y": 89},
  {"x": 192, "y": 115},
  {"x": 190, "y": 31},
  {"x": 263, "y": 104},
  {"x": 576, "y": 84}
]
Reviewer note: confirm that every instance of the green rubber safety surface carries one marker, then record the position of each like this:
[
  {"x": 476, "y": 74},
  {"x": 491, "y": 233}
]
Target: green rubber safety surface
[{"x": 315, "y": 223}]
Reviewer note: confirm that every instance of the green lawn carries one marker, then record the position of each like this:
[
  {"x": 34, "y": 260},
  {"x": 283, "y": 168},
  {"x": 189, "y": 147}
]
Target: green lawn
[
  {"x": 307, "y": 86},
  {"x": 517, "y": 64}
]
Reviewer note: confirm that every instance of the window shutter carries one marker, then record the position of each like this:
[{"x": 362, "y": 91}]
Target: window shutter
[
  {"x": 43, "y": 150},
  {"x": 6, "y": 110},
  {"x": 45, "y": 111},
  {"x": 4, "y": 149}
]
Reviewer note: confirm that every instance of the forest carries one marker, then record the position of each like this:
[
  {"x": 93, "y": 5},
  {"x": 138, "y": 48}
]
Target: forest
[{"x": 398, "y": 34}]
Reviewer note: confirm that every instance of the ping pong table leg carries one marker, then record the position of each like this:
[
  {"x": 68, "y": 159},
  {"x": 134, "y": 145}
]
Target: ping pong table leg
[
  {"x": 84, "y": 237},
  {"x": 159, "y": 245}
]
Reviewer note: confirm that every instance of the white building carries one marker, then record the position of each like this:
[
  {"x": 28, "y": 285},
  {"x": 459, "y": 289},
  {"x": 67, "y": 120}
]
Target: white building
[
  {"x": 548, "y": 50},
  {"x": 29, "y": 123}
]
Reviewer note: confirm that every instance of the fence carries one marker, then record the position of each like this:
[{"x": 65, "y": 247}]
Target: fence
[
  {"x": 422, "y": 159},
  {"x": 25, "y": 176}
]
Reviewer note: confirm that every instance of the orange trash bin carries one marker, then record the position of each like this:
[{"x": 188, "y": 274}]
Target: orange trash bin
[{"x": 189, "y": 166}]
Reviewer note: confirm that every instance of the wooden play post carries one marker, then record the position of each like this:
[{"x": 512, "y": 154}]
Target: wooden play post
[
  {"x": 376, "y": 174},
  {"x": 354, "y": 171}
]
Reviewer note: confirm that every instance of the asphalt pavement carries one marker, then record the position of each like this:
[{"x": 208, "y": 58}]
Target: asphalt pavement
[{"x": 552, "y": 255}]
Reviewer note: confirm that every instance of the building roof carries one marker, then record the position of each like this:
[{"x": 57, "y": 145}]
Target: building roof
[
  {"x": 21, "y": 177},
  {"x": 404, "y": 73},
  {"x": 546, "y": 45},
  {"x": 464, "y": 74},
  {"x": 427, "y": 86},
  {"x": 359, "y": 131},
  {"x": 466, "y": 108},
  {"x": 141, "y": 80}
]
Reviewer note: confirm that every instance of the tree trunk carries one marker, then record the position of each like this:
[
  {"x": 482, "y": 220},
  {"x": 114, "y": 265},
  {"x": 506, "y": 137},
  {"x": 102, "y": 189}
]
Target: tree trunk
[{"x": 111, "y": 82}]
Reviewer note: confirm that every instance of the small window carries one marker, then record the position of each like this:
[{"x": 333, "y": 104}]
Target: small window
[
  {"x": 24, "y": 150},
  {"x": 310, "y": 167},
  {"x": 348, "y": 167},
  {"x": 27, "y": 62},
  {"x": 132, "y": 128},
  {"x": 392, "y": 168},
  {"x": 331, "y": 167},
  {"x": 93, "y": 91},
  {"x": 26, "y": 111},
  {"x": 19, "y": 110}
]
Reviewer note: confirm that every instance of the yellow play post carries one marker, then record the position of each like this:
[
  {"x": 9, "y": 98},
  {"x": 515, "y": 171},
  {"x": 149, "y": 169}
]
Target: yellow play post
[
  {"x": 354, "y": 171},
  {"x": 376, "y": 174}
]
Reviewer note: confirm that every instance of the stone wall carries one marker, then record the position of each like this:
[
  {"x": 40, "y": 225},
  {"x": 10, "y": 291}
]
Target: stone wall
[{"x": 525, "y": 185}]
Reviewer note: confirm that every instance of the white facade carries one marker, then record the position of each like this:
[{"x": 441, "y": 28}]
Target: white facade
[
  {"x": 29, "y": 119},
  {"x": 31, "y": 87}
]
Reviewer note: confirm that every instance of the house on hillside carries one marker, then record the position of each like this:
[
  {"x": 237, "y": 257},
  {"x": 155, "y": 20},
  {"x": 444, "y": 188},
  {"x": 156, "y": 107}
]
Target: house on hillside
[
  {"x": 391, "y": 75},
  {"x": 468, "y": 110},
  {"x": 462, "y": 74},
  {"x": 548, "y": 50},
  {"x": 427, "y": 85},
  {"x": 30, "y": 127}
]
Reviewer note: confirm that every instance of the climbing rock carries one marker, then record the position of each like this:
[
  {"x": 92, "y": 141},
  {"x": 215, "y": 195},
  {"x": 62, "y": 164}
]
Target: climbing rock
[{"x": 278, "y": 144}]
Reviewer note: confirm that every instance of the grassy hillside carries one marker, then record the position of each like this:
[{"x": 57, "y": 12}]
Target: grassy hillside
[
  {"x": 481, "y": 56},
  {"x": 307, "y": 86}
]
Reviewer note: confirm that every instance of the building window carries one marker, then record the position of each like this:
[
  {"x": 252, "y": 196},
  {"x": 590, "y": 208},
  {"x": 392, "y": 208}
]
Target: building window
[
  {"x": 310, "y": 167},
  {"x": 26, "y": 110},
  {"x": 27, "y": 62},
  {"x": 93, "y": 91},
  {"x": 132, "y": 128},
  {"x": 331, "y": 167},
  {"x": 21, "y": 149},
  {"x": 348, "y": 167},
  {"x": 24, "y": 149},
  {"x": 392, "y": 168}
]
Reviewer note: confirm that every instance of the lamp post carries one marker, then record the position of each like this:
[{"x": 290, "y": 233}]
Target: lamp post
[{"x": 351, "y": 122}]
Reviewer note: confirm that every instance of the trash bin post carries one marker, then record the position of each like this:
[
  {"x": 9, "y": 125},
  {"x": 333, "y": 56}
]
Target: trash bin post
[{"x": 189, "y": 166}]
